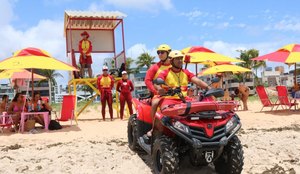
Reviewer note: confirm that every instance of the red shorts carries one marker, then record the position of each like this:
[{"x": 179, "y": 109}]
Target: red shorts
[{"x": 88, "y": 60}]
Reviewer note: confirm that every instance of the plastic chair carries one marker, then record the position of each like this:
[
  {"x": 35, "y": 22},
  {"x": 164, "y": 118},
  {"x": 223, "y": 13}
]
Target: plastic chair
[
  {"x": 6, "y": 121},
  {"x": 68, "y": 107},
  {"x": 264, "y": 98},
  {"x": 283, "y": 98}
]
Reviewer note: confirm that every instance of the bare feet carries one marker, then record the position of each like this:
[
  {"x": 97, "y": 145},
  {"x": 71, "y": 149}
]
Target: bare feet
[{"x": 149, "y": 133}]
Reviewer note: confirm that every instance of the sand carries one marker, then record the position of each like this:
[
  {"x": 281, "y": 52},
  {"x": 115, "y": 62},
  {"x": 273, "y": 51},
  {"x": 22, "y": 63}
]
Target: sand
[{"x": 271, "y": 144}]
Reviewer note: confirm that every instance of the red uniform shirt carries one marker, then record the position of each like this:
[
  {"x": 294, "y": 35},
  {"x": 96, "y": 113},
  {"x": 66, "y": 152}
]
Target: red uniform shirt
[
  {"x": 85, "y": 46},
  {"x": 105, "y": 82},
  {"x": 177, "y": 79},
  {"x": 152, "y": 74},
  {"x": 125, "y": 86}
]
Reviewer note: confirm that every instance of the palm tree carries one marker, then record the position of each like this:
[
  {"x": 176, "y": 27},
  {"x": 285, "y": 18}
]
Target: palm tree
[
  {"x": 130, "y": 70},
  {"x": 145, "y": 59},
  {"x": 50, "y": 77},
  {"x": 257, "y": 65},
  {"x": 246, "y": 56}
]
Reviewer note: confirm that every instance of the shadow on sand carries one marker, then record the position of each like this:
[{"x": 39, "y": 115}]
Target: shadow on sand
[{"x": 184, "y": 167}]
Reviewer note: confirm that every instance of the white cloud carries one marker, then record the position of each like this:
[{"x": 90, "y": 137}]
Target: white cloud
[
  {"x": 137, "y": 49},
  {"x": 193, "y": 14},
  {"x": 96, "y": 7},
  {"x": 47, "y": 34},
  {"x": 6, "y": 12},
  {"x": 147, "y": 5},
  {"x": 230, "y": 49},
  {"x": 287, "y": 25}
]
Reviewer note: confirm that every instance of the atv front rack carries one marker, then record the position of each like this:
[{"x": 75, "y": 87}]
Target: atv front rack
[{"x": 196, "y": 107}]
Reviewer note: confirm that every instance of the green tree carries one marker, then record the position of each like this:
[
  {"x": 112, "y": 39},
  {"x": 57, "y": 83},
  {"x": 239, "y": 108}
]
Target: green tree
[
  {"x": 129, "y": 69},
  {"x": 50, "y": 75},
  {"x": 246, "y": 56},
  {"x": 145, "y": 59},
  {"x": 258, "y": 65}
]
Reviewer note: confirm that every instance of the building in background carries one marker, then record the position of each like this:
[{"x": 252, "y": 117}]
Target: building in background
[
  {"x": 138, "y": 79},
  {"x": 6, "y": 89},
  {"x": 277, "y": 77}
]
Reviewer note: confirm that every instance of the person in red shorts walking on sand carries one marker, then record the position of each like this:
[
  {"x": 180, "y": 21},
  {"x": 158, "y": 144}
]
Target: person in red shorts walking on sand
[
  {"x": 105, "y": 83},
  {"x": 125, "y": 87},
  {"x": 85, "y": 49}
]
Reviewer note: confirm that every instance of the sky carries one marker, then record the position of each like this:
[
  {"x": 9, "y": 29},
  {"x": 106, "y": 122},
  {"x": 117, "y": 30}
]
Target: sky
[{"x": 222, "y": 26}]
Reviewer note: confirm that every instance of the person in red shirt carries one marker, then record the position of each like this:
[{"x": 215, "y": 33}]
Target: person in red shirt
[
  {"x": 175, "y": 77},
  {"x": 125, "y": 87},
  {"x": 85, "y": 49},
  {"x": 164, "y": 63},
  {"x": 163, "y": 51},
  {"x": 105, "y": 83}
]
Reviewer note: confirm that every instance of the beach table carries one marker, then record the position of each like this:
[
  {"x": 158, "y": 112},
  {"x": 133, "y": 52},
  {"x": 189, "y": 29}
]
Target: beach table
[{"x": 24, "y": 115}]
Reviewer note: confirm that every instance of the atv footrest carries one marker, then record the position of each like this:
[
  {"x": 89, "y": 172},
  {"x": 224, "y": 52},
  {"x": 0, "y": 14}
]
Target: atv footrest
[
  {"x": 146, "y": 147},
  {"x": 146, "y": 139}
]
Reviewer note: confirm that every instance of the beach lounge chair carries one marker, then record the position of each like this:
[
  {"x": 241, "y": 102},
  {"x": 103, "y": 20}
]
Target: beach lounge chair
[
  {"x": 264, "y": 98},
  {"x": 6, "y": 121},
  {"x": 67, "y": 109},
  {"x": 284, "y": 99}
]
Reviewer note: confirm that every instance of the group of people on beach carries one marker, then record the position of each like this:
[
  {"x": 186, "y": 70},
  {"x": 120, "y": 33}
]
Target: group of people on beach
[
  {"x": 20, "y": 104},
  {"x": 170, "y": 61},
  {"x": 169, "y": 68}
]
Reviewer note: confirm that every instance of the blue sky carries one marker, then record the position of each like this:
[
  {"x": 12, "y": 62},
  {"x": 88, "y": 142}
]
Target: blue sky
[{"x": 223, "y": 26}]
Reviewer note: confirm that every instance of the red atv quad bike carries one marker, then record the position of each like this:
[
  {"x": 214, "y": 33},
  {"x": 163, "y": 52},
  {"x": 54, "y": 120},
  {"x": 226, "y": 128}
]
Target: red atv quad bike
[{"x": 205, "y": 130}]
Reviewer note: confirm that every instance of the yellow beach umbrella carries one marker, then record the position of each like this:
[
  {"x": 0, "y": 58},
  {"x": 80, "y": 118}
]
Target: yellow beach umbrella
[
  {"x": 34, "y": 58},
  {"x": 223, "y": 69},
  {"x": 19, "y": 74},
  {"x": 199, "y": 54}
]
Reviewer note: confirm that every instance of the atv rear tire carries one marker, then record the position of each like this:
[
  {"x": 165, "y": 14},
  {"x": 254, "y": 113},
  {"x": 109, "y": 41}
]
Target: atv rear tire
[
  {"x": 165, "y": 156},
  {"x": 132, "y": 133},
  {"x": 231, "y": 160}
]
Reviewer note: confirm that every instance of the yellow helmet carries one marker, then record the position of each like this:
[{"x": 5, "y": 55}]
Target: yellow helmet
[
  {"x": 164, "y": 47},
  {"x": 175, "y": 53}
]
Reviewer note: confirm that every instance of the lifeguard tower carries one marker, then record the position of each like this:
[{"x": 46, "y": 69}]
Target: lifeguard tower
[{"x": 104, "y": 29}]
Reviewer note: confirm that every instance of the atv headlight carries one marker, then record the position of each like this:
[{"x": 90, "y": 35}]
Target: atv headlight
[
  {"x": 231, "y": 124},
  {"x": 181, "y": 127}
]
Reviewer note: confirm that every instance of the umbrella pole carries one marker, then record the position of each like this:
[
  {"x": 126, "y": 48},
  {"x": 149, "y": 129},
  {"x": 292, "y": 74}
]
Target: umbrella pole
[
  {"x": 295, "y": 75},
  {"x": 32, "y": 83}
]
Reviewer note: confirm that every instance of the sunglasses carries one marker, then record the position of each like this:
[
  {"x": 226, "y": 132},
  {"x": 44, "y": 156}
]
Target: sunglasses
[
  {"x": 160, "y": 52},
  {"x": 104, "y": 70}
]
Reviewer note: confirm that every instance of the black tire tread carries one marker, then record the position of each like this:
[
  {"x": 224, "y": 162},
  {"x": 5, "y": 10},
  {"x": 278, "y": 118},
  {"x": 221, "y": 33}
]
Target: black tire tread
[
  {"x": 235, "y": 161},
  {"x": 132, "y": 126},
  {"x": 169, "y": 155}
]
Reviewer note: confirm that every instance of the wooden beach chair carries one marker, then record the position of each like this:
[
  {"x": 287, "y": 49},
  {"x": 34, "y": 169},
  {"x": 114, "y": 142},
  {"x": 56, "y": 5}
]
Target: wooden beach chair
[
  {"x": 284, "y": 99},
  {"x": 264, "y": 98}
]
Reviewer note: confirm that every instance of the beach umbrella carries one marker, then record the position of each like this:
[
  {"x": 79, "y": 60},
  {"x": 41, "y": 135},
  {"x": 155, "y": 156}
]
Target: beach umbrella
[
  {"x": 226, "y": 69},
  {"x": 199, "y": 54},
  {"x": 223, "y": 69},
  {"x": 19, "y": 74},
  {"x": 34, "y": 58},
  {"x": 289, "y": 54}
]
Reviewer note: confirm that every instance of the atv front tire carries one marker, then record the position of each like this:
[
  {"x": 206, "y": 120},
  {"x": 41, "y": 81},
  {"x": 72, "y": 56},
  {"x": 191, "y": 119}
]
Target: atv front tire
[
  {"x": 132, "y": 133},
  {"x": 165, "y": 156},
  {"x": 231, "y": 160}
]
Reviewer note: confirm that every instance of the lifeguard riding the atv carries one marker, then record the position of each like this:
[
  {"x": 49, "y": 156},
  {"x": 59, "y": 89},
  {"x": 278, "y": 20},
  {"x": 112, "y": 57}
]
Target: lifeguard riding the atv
[{"x": 204, "y": 130}]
